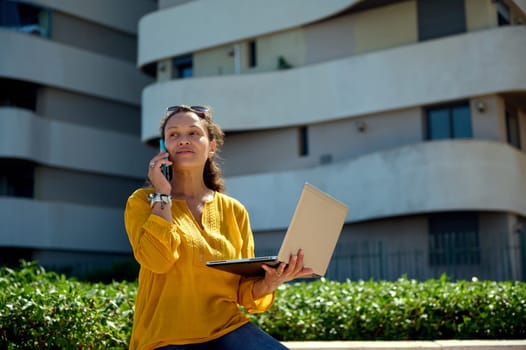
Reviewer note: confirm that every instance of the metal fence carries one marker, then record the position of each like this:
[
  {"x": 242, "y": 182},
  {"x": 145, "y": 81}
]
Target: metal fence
[{"x": 375, "y": 260}]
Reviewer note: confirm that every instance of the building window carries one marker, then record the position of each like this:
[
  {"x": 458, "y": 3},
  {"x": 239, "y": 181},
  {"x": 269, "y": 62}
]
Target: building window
[
  {"x": 183, "y": 67},
  {"x": 513, "y": 127},
  {"x": 503, "y": 13},
  {"x": 25, "y": 18},
  {"x": 454, "y": 239},
  {"x": 252, "y": 54},
  {"x": 16, "y": 178},
  {"x": 439, "y": 18},
  {"x": 449, "y": 122},
  {"x": 303, "y": 137},
  {"x": 15, "y": 93}
]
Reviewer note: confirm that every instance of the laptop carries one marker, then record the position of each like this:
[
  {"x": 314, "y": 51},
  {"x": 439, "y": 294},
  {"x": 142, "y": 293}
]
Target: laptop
[{"x": 315, "y": 227}]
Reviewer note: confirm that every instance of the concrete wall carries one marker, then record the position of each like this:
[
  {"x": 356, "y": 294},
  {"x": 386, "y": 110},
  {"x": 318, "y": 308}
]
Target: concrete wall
[
  {"x": 480, "y": 14},
  {"x": 275, "y": 149},
  {"x": 103, "y": 12},
  {"x": 489, "y": 124},
  {"x": 278, "y": 149},
  {"x": 356, "y": 33},
  {"x": 81, "y": 109},
  {"x": 216, "y": 61},
  {"x": 494, "y": 237},
  {"x": 346, "y": 139},
  {"x": 61, "y": 185},
  {"x": 289, "y": 45},
  {"x": 75, "y": 32}
]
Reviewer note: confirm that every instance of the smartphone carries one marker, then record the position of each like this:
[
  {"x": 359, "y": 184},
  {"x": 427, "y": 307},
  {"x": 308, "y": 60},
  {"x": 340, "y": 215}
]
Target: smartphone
[{"x": 166, "y": 170}]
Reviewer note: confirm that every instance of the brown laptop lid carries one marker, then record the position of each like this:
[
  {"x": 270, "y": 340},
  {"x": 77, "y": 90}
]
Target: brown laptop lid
[{"x": 315, "y": 227}]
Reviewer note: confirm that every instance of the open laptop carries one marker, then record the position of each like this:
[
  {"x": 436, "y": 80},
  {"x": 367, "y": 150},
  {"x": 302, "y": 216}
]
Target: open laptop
[{"x": 315, "y": 227}]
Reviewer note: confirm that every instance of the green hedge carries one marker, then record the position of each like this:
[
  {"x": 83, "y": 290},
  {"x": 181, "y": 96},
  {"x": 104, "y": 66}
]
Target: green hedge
[
  {"x": 45, "y": 310},
  {"x": 401, "y": 310}
]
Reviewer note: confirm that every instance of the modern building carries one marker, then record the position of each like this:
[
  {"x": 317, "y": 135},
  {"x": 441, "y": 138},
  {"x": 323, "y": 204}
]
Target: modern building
[
  {"x": 70, "y": 125},
  {"x": 413, "y": 112}
]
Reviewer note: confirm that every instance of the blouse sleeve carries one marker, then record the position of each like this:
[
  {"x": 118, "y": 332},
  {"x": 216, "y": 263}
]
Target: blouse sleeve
[
  {"x": 246, "y": 285},
  {"x": 246, "y": 298},
  {"x": 154, "y": 240}
]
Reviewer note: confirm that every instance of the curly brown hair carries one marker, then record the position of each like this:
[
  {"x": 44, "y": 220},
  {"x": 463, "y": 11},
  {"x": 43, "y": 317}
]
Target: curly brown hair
[{"x": 212, "y": 174}]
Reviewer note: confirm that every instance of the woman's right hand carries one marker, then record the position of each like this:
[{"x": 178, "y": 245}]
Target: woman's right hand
[{"x": 156, "y": 176}]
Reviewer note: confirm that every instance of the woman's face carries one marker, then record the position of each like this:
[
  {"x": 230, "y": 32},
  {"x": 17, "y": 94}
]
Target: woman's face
[{"x": 187, "y": 140}]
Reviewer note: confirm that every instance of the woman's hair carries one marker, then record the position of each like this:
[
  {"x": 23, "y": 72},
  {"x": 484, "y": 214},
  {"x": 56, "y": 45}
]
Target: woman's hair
[{"x": 212, "y": 174}]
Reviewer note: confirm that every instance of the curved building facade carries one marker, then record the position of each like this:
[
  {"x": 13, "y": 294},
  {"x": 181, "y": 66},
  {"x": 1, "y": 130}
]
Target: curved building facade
[
  {"x": 412, "y": 112},
  {"x": 70, "y": 149}
]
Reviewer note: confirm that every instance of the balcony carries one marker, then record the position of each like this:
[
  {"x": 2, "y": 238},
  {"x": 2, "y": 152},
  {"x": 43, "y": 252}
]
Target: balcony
[
  {"x": 61, "y": 226},
  {"x": 158, "y": 31},
  {"x": 471, "y": 64},
  {"x": 45, "y": 62},
  {"x": 70, "y": 146},
  {"x": 421, "y": 178}
]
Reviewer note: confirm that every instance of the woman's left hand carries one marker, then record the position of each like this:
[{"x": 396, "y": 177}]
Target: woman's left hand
[{"x": 276, "y": 276}]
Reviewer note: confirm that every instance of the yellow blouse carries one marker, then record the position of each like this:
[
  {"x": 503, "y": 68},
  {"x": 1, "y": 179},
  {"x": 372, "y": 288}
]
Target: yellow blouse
[{"x": 179, "y": 299}]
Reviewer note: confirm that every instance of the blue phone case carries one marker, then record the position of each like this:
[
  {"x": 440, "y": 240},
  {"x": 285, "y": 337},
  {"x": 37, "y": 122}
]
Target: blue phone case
[{"x": 166, "y": 170}]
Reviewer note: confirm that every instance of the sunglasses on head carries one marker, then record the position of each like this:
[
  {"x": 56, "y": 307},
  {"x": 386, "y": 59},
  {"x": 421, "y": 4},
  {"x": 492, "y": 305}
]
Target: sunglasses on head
[{"x": 197, "y": 109}]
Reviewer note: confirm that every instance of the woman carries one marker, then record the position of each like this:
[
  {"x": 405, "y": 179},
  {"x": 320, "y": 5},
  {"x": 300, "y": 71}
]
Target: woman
[{"x": 175, "y": 227}]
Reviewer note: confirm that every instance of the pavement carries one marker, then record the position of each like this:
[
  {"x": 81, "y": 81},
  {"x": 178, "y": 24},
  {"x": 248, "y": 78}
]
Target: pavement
[{"x": 409, "y": 345}]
